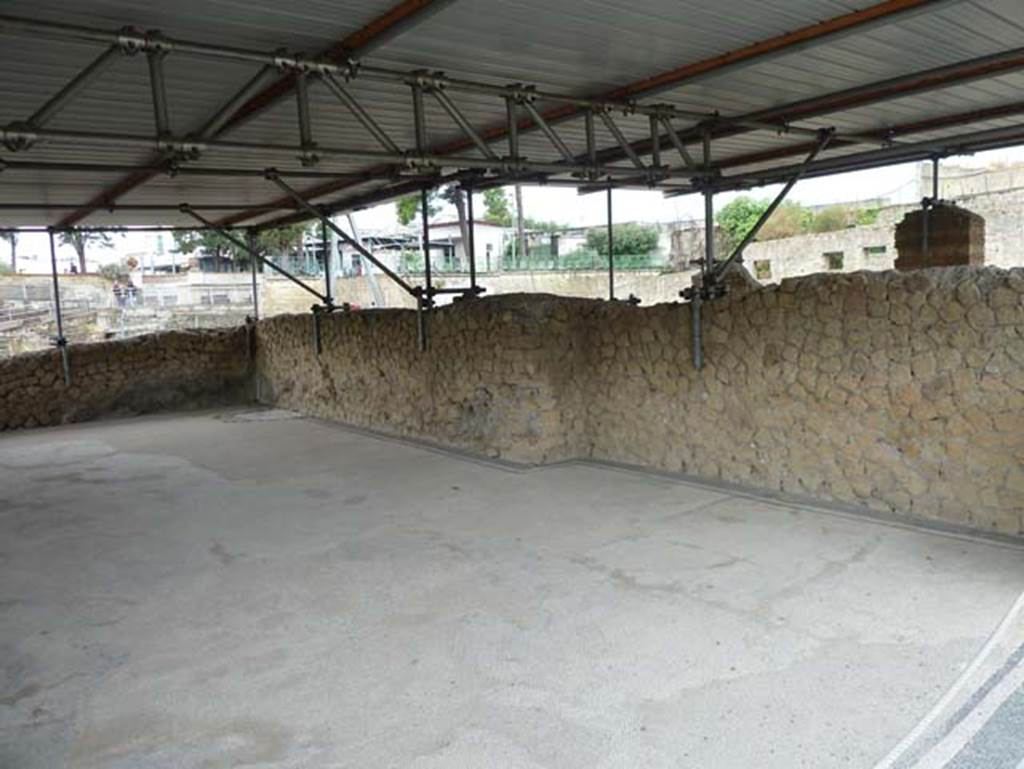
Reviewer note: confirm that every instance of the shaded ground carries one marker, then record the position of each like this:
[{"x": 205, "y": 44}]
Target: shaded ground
[{"x": 257, "y": 590}]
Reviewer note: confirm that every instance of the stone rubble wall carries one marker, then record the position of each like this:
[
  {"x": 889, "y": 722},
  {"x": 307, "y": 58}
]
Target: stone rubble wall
[
  {"x": 894, "y": 391},
  {"x": 493, "y": 380},
  {"x": 898, "y": 392},
  {"x": 172, "y": 370}
]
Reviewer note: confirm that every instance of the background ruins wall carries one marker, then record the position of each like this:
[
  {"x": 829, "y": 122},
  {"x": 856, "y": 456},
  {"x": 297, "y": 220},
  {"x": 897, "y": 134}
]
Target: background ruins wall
[
  {"x": 900, "y": 392},
  {"x": 146, "y": 373}
]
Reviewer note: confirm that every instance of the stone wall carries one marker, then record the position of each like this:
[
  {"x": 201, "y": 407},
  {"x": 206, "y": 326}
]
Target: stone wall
[
  {"x": 148, "y": 373},
  {"x": 492, "y": 380},
  {"x": 899, "y": 392}
]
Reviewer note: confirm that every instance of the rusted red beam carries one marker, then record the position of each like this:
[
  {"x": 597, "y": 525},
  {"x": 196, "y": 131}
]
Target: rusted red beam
[
  {"x": 380, "y": 29},
  {"x": 784, "y": 43}
]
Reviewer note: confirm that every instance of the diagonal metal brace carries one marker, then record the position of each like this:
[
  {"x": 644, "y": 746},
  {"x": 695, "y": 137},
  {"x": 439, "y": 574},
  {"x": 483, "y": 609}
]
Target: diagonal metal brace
[
  {"x": 676, "y": 142},
  {"x": 83, "y": 79},
  {"x": 187, "y": 209},
  {"x": 359, "y": 112},
  {"x": 272, "y": 175},
  {"x": 460, "y": 120},
  {"x": 621, "y": 139},
  {"x": 824, "y": 137},
  {"x": 546, "y": 128}
]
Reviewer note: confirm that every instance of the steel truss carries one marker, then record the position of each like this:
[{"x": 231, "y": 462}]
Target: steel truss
[
  {"x": 671, "y": 133},
  {"x": 521, "y": 109}
]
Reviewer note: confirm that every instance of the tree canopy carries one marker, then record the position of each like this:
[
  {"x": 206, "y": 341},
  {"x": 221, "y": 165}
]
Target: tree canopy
[
  {"x": 497, "y": 207},
  {"x": 268, "y": 242},
  {"x": 80, "y": 240},
  {"x": 408, "y": 208},
  {"x": 791, "y": 218},
  {"x": 627, "y": 239}
]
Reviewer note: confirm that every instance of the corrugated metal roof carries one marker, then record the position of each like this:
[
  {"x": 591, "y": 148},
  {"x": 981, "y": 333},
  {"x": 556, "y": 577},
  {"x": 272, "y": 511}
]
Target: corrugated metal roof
[{"x": 585, "y": 47}]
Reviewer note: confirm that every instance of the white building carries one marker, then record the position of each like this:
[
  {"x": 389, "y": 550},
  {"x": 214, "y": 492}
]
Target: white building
[{"x": 488, "y": 238}]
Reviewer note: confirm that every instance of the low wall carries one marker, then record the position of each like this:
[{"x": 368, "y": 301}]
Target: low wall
[
  {"x": 900, "y": 392},
  {"x": 280, "y": 295},
  {"x": 146, "y": 373}
]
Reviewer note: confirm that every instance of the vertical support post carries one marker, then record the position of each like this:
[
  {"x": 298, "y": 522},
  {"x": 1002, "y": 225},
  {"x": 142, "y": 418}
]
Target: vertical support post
[
  {"x": 655, "y": 142},
  {"x": 588, "y": 123},
  {"x": 325, "y": 245},
  {"x": 929, "y": 203},
  {"x": 60, "y": 341},
  {"x": 424, "y": 201},
  {"x": 472, "y": 239},
  {"x": 251, "y": 237},
  {"x": 709, "y": 209},
  {"x": 696, "y": 331},
  {"x": 611, "y": 250},
  {"x": 512, "y": 128},
  {"x": 419, "y": 119},
  {"x": 421, "y": 325},
  {"x": 317, "y": 339}
]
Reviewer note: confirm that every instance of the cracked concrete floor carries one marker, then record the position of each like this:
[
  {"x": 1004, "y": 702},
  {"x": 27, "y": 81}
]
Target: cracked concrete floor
[{"x": 254, "y": 590}]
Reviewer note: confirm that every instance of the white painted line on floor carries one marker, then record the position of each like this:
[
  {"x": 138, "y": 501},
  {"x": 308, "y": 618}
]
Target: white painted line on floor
[
  {"x": 957, "y": 739},
  {"x": 1008, "y": 626}
]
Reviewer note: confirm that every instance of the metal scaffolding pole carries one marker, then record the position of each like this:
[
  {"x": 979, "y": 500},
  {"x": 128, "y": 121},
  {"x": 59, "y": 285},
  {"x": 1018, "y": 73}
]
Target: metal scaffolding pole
[
  {"x": 83, "y": 79},
  {"x": 59, "y": 340},
  {"x": 17, "y": 138},
  {"x": 251, "y": 243},
  {"x": 325, "y": 244},
  {"x": 425, "y": 215},
  {"x": 928, "y": 204},
  {"x": 472, "y": 240},
  {"x": 611, "y": 251}
]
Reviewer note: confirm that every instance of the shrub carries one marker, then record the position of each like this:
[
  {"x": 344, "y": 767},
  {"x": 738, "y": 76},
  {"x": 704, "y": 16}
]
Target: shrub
[
  {"x": 831, "y": 219},
  {"x": 788, "y": 220},
  {"x": 627, "y": 240},
  {"x": 736, "y": 218}
]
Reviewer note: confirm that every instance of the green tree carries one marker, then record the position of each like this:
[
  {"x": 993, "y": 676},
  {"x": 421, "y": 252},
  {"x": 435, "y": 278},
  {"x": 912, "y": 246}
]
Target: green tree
[
  {"x": 497, "y": 206},
  {"x": 867, "y": 216},
  {"x": 408, "y": 208},
  {"x": 627, "y": 240},
  {"x": 739, "y": 216},
  {"x": 788, "y": 220},
  {"x": 279, "y": 241},
  {"x": 80, "y": 240},
  {"x": 12, "y": 238},
  {"x": 831, "y": 219}
]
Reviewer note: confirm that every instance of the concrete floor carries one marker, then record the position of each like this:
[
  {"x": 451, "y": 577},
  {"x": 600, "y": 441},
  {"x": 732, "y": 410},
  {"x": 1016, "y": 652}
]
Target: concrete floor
[{"x": 249, "y": 589}]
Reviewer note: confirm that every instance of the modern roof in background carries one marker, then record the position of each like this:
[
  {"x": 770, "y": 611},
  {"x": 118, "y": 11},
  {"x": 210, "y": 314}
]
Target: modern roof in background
[{"x": 764, "y": 84}]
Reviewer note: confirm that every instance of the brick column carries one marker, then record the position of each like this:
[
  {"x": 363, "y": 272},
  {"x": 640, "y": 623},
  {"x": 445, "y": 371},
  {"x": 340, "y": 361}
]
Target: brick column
[{"x": 955, "y": 236}]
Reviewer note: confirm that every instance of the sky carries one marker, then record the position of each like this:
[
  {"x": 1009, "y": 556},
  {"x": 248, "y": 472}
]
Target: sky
[{"x": 566, "y": 206}]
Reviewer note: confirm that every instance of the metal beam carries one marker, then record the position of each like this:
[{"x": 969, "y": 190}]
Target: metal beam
[{"x": 106, "y": 139}]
